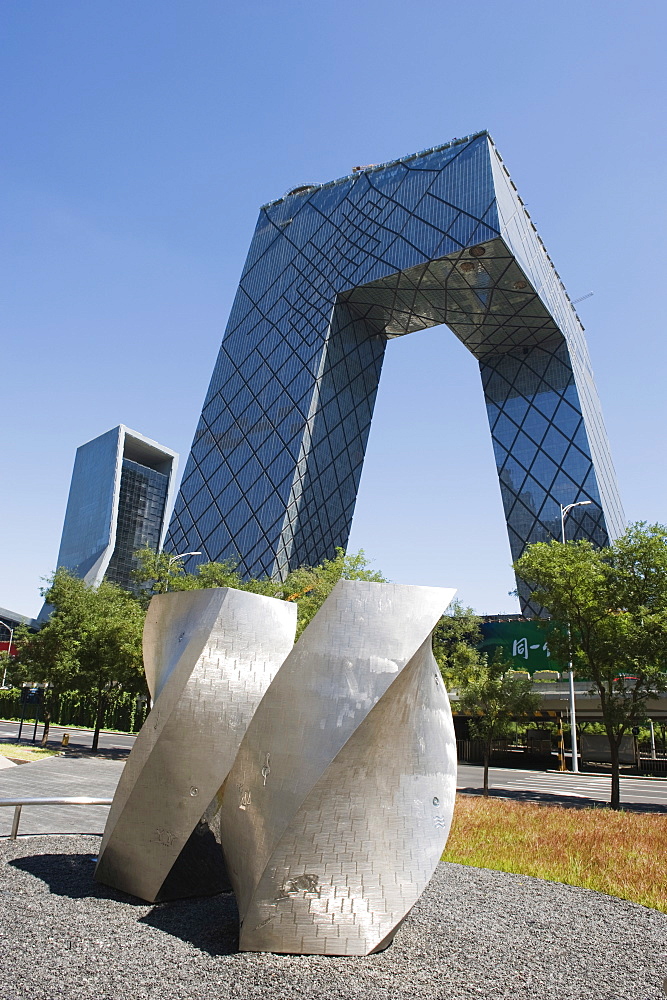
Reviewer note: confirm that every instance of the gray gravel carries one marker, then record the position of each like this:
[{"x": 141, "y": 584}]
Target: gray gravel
[{"x": 474, "y": 933}]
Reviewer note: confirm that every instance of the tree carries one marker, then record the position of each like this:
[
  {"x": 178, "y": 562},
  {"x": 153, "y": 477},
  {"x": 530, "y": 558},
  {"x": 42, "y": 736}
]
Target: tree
[
  {"x": 49, "y": 656},
  {"x": 609, "y": 612},
  {"x": 226, "y": 574},
  {"x": 156, "y": 573},
  {"x": 493, "y": 695},
  {"x": 310, "y": 586},
  {"x": 455, "y": 640},
  {"x": 480, "y": 688},
  {"x": 91, "y": 643},
  {"x": 8, "y": 671},
  {"x": 159, "y": 572}
]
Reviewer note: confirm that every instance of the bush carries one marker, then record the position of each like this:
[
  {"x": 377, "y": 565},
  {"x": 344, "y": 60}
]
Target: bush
[{"x": 125, "y": 713}]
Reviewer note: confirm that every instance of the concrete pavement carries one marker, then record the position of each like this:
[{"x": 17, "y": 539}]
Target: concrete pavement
[
  {"x": 78, "y": 773},
  {"x": 56, "y": 777}
]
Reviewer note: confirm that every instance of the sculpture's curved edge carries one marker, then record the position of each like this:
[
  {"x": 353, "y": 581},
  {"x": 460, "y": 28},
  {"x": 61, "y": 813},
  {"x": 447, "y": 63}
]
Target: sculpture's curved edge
[
  {"x": 187, "y": 745},
  {"x": 321, "y": 694},
  {"x": 188, "y": 616},
  {"x": 363, "y": 846},
  {"x": 172, "y": 617}
]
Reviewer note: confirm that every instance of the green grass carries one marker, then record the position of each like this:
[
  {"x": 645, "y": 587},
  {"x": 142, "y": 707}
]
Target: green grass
[{"x": 622, "y": 854}]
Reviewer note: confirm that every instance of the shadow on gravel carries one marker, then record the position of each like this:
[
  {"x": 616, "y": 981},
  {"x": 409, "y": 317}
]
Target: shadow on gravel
[
  {"x": 210, "y": 924},
  {"x": 545, "y": 798},
  {"x": 71, "y": 875}
]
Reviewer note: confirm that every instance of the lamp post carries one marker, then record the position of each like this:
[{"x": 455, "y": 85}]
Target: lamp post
[
  {"x": 172, "y": 560},
  {"x": 9, "y": 648},
  {"x": 564, "y": 511}
]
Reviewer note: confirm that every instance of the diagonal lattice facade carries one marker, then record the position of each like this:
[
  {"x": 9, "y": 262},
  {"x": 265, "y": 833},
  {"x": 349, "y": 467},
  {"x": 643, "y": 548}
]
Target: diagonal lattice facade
[{"x": 333, "y": 273}]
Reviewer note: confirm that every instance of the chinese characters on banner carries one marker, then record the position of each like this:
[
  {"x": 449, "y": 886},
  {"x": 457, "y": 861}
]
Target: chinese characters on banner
[{"x": 521, "y": 646}]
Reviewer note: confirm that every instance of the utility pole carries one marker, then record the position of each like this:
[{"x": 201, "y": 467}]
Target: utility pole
[{"x": 564, "y": 511}]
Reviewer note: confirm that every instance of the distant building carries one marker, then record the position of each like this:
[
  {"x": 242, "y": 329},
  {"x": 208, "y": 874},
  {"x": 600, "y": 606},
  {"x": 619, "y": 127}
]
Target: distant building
[
  {"x": 9, "y": 622},
  {"x": 118, "y": 501}
]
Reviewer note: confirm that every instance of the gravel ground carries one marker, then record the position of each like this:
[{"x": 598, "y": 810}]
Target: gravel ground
[{"x": 475, "y": 933}]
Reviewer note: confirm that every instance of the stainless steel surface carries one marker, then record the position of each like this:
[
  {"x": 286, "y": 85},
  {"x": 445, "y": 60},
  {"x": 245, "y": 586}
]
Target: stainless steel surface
[
  {"x": 338, "y": 806},
  {"x": 209, "y": 655},
  {"x": 77, "y": 800}
]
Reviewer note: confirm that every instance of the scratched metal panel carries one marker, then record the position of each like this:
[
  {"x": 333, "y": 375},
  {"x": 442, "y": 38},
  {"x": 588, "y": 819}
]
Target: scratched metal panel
[
  {"x": 210, "y": 655},
  {"x": 338, "y": 806}
]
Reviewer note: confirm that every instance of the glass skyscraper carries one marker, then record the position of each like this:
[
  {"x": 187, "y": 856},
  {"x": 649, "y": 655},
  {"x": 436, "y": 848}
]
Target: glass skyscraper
[
  {"x": 118, "y": 502},
  {"x": 334, "y": 272}
]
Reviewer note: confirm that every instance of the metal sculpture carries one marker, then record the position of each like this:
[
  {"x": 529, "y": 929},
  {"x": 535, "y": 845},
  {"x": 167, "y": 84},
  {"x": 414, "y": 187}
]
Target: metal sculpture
[
  {"x": 339, "y": 803},
  {"x": 209, "y": 656}
]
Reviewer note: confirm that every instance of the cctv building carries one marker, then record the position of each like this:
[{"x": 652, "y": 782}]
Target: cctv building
[
  {"x": 334, "y": 272},
  {"x": 118, "y": 501}
]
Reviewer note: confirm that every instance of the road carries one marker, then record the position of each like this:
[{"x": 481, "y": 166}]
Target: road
[
  {"x": 78, "y": 738},
  {"x": 649, "y": 794}
]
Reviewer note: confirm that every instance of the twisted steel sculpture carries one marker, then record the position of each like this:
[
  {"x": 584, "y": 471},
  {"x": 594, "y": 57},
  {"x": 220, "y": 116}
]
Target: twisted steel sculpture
[
  {"x": 331, "y": 778},
  {"x": 339, "y": 803},
  {"x": 209, "y": 656}
]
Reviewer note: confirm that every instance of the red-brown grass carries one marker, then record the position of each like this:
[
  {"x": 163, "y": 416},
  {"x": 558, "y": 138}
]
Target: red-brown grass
[{"x": 620, "y": 853}]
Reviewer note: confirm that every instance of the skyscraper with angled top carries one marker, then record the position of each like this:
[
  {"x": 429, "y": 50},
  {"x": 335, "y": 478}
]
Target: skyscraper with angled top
[{"x": 334, "y": 272}]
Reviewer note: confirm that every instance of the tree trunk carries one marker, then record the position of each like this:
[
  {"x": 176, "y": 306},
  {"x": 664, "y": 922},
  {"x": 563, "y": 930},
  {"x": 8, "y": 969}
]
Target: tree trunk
[
  {"x": 99, "y": 717},
  {"x": 47, "y": 723},
  {"x": 615, "y": 802},
  {"x": 487, "y": 756}
]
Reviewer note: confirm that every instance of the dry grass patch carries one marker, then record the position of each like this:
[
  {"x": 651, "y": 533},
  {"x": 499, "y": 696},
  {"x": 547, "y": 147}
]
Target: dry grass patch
[{"x": 621, "y": 853}]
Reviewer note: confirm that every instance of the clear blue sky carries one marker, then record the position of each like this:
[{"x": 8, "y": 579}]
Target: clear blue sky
[{"x": 139, "y": 140}]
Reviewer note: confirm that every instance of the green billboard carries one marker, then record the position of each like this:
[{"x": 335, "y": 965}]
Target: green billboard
[{"x": 524, "y": 644}]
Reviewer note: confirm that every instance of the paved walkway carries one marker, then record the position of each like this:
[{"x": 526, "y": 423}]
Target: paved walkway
[{"x": 56, "y": 777}]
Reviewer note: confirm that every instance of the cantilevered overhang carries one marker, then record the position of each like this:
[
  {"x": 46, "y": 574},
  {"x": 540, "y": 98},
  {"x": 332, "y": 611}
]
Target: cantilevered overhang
[{"x": 480, "y": 293}]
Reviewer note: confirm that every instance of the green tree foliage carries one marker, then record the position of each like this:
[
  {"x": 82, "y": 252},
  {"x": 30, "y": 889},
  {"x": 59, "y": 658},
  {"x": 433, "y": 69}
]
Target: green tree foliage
[
  {"x": 9, "y": 672},
  {"x": 159, "y": 572},
  {"x": 609, "y": 612},
  {"x": 455, "y": 641},
  {"x": 493, "y": 695},
  {"x": 482, "y": 689},
  {"x": 307, "y": 586},
  {"x": 310, "y": 586},
  {"x": 90, "y": 644}
]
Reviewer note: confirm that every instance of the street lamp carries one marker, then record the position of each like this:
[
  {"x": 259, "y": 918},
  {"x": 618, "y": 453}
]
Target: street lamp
[
  {"x": 564, "y": 511},
  {"x": 172, "y": 560},
  {"x": 9, "y": 648},
  {"x": 182, "y": 555}
]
